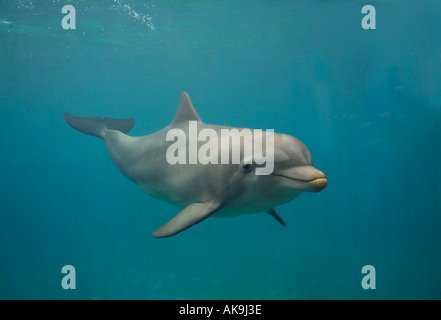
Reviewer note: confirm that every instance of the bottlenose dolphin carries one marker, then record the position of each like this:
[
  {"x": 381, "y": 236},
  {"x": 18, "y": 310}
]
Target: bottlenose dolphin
[{"x": 203, "y": 190}]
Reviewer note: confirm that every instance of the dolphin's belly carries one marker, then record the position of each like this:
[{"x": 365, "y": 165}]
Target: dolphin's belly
[
  {"x": 248, "y": 203},
  {"x": 181, "y": 185},
  {"x": 232, "y": 212},
  {"x": 173, "y": 195}
]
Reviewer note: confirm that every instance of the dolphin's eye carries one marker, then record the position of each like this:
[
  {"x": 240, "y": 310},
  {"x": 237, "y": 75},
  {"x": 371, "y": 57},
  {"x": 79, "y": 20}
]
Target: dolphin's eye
[{"x": 247, "y": 167}]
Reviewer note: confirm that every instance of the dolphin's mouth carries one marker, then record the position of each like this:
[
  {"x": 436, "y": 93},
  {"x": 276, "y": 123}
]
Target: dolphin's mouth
[
  {"x": 318, "y": 184},
  {"x": 308, "y": 178}
]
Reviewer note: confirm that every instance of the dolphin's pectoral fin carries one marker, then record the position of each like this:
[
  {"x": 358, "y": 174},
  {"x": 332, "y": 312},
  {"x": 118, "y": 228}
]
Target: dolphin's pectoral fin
[
  {"x": 191, "y": 215},
  {"x": 276, "y": 216}
]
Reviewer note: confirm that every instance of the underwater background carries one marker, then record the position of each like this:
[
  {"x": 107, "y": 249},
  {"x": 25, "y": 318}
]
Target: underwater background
[{"x": 367, "y": 104}]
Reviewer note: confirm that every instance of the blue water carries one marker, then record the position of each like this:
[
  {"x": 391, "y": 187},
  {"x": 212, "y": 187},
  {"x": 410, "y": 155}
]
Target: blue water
[{"x": 367, "y": 103}]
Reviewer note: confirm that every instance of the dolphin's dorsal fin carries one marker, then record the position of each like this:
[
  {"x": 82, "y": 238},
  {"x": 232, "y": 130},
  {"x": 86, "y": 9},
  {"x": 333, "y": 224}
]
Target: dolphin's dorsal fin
[{"x": 186, "y": 110}]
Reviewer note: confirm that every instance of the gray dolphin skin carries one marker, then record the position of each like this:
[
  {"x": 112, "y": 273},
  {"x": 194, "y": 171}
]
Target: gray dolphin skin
[{"x": 203, "y": 190}]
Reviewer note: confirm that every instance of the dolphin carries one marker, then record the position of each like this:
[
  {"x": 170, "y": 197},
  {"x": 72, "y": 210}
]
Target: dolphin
[{"x": 203, "y": 190}]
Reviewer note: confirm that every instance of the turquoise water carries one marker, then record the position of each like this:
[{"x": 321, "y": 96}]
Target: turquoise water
[{"x": 367, "y": 103}]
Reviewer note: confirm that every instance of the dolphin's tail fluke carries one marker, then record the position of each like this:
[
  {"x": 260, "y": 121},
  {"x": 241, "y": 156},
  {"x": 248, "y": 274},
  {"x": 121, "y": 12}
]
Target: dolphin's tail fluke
[{"x": 96, "y": 126}]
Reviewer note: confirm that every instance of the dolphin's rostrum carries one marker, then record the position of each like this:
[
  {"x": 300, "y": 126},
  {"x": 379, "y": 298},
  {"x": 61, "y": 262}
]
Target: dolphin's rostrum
[{"x": 203, "y": 190}]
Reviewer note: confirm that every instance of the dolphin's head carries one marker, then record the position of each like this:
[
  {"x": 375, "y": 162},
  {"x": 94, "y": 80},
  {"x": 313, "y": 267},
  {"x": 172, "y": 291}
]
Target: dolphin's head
[
  {"x": 293, "y": 167},
  {"x": 292, "y": 174}
]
